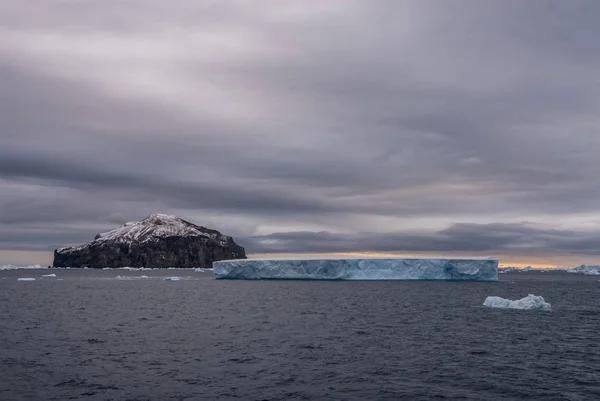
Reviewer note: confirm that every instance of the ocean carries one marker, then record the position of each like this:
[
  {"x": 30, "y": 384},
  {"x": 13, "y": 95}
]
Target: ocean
[{"x": 89, "y": 335}]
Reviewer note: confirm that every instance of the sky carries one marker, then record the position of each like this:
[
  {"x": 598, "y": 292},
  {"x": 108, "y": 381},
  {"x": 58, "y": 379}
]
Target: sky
[{"x": 460, "y": 127}]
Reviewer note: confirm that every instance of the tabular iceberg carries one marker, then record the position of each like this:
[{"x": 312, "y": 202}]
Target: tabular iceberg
[{"x": 358, "y": 269}]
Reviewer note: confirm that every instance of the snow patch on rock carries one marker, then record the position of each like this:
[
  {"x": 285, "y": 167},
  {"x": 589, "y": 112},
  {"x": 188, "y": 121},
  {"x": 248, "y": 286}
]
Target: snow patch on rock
[{"x": 152, "y": 228}]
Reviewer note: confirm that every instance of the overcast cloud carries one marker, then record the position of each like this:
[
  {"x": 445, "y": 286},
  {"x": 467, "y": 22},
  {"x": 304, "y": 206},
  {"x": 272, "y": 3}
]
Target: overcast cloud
[{"x": 394, "y": 126}]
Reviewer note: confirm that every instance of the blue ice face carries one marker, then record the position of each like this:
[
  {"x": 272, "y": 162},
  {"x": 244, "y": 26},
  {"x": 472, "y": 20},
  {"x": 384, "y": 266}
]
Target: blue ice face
[{"x": 358, "y": 269}]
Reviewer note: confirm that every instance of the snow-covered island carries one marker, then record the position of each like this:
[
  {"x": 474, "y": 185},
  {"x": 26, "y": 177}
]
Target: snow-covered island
[
  {"x": 158, "y": 241},
  {"x": 358, "y": 269}
]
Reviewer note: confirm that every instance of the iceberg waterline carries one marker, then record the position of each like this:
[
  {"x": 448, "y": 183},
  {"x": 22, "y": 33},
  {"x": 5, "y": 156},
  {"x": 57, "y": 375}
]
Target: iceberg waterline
[
  {"x": 530, "y": 302},
  {"x": 358, "y": 269}
]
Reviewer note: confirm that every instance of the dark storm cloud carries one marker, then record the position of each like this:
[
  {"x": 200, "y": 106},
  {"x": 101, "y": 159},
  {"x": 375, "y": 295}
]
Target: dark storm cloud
[
  {"x": 341, "y": 117},
  {"x": 516, "y": 239}
]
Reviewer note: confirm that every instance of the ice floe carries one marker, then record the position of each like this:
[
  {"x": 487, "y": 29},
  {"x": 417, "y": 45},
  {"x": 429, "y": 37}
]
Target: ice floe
[
  {"x": 530, "y": 302},
  {"x": 130, "y": 277},
  {"x": 17, "y": 267}
]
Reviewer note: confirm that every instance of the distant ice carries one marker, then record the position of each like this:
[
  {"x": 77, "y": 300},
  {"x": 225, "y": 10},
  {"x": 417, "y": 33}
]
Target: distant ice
[
  {"x": 200, "y": 270},
  {"x": 130, "y": 277},
  {"x": 49, "y": 275},
  {"x": 172, "y": 278},
  {"x": 17, "y": 267},
  {"x": 514, "y": 269},
  {"x": 530, "y": 302},
  {"x": 583, "y": 269},
  {"x": 587, "y": 270},
  {"x": 25, "y": 279}
]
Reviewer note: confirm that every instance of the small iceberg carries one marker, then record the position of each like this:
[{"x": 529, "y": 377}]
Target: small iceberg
[
  {"x": 530, "y": 302},
  {"x": 130, "y": 277},
  {"x": 199, "y": 270},
  {"x": 172, "y": 278},
  {"x": 586, "y": 270},
  {"x": 49, "y": 275},
  {"x": 25, "y": 279}
]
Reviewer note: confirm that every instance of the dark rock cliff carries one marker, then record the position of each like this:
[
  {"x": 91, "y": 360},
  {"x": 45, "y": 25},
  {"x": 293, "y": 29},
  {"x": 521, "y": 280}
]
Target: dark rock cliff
[{"x": 158, "y": 241}]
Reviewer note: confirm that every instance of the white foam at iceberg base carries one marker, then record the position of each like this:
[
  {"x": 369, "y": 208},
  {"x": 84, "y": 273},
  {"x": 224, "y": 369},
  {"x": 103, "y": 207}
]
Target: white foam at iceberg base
[
  {"x": 49, "y": 275},
  {"x": 25, "y": 279},
  {"x": 530, "y": 302}
]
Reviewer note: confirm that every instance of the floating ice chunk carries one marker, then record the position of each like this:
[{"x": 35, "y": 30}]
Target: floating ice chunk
[
  {"x": 509, "y": 269},
  {"x": 200, "y": 270},
  {"x": 49, "y": 275},
  {"x": 586, "y": 270},
  {"x": 130, "y": 277},
  {"x": 25, "y": 279},
  {"x": 358, "y": 269},
  {"x": 530, "y": 302},
  {"x": 107, "y": 268},
  {"x": 172, "y": 278},
  {"x": 19, "y": 267}
]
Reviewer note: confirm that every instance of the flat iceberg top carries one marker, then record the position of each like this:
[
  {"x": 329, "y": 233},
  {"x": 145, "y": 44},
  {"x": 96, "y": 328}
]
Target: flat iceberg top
[
  {"x": 358, "y": 269},
  {"x": 370, "y": 258}
]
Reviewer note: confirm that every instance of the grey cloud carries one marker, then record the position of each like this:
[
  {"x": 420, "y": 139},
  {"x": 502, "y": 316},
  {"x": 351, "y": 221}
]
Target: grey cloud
[
  {"x": 299, "y": 113},
  {"x": 498, "y": 238},
  {"x": 32, "y": 238}
]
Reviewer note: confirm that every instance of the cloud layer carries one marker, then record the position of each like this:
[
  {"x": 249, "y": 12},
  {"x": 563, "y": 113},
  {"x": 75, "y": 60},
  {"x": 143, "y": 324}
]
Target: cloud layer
[{"x": 297, "y": 126}]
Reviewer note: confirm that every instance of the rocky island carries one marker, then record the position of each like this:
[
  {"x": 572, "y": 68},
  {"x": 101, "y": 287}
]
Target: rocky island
[{"x": 158, "y": 241}]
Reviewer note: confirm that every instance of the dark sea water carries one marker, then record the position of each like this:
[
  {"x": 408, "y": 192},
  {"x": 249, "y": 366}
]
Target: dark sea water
[{"x": 87, "y": 335}]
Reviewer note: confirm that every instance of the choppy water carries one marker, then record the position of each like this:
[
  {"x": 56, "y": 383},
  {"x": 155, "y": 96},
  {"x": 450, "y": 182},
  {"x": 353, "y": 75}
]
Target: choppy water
[{"x": 86, "y": 335}]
